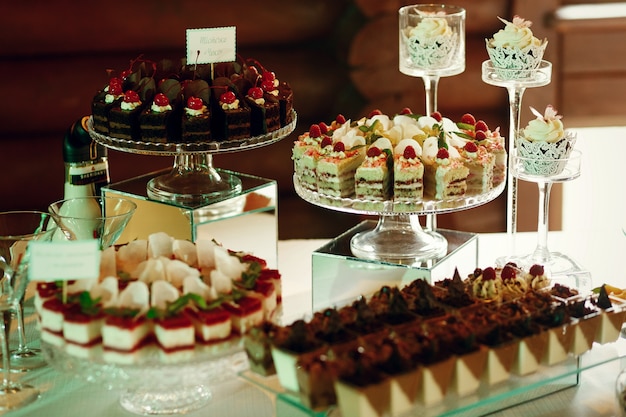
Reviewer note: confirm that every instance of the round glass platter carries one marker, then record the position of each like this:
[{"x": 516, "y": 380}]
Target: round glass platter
[
  {"x": 153, "y": 382},
  {"x": 398, "y": 237},
  {"x": 193, "y": 180}
]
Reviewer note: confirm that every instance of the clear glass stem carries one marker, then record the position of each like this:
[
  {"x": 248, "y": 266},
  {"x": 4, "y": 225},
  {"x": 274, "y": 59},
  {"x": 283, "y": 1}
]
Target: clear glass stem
[
  {"x": 515, "y": 101},
  {"x": 21, "y": 331},
  {"x": 431, "y": 83},
  {"x": 6, "y": 360},
  {"x": 541, "y": 254}
]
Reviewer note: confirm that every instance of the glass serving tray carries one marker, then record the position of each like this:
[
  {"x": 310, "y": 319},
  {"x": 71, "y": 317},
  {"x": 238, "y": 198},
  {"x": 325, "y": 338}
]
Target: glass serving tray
[
  {"x": 154, "y": 383},
  {"x": 173, "y": 148},
  {"x": 391, "y": 207},
  {"x": 517, "y": 390},
  {"x": 193, "y": 179}
]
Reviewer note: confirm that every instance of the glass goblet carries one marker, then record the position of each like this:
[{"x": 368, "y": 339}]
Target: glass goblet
[
  {"x": 12, "y": 394},
  {"x": 101, "y": 218},
  {"x": 17, "y": 228}
]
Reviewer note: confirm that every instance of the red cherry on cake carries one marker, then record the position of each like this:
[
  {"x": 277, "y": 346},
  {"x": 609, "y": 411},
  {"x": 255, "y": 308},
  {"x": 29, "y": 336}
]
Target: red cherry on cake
[
  {"x": 315, "y": 131},
  {"x": 373, "y": 113},
  {"x": 406, "y": 110},
  {"x": 480, "y": 135},
  {"x": 489, "y": 274},
  {"x": 443, "y": 153},
  {"x": 508, "y": 272},
  {"x": 536, "y": 270},
  {"x": 470, "y": 147},
  {"x": 131, "y": 96},
  {"x": 326, "y": 141},
  {"x": 194, "y": 103},
  {"x": 374, "y": 151},
  {"x": 228, "y": 97},
  {"x": 339, "y": 147},
  {"x": 468, "y": 119},
  {"x": 268, "y": 76},
  {"x": 481, "y": 125},
  {"x": 256, "y": 93},
  {"x": 340, "y": 119},
  {"x": 161, "y": 100},
  {"x": 115, "y": 86},
  {"x": 323, "y": 128},
  {"x": 409, "y": 153},
  {"x": 124, "y": 74},
  {"x": 437, "y": 116},
  {"x": 267, "y": 85}
]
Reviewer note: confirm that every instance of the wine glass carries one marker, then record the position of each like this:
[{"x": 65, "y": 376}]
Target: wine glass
[
  {"x": 432, "y": 45},
  {"x": 17, "y": 228},
  {"x": 101, "y": 218},
  {"x": 516, "y": 81},
  {"x": 546, "y": 172}
]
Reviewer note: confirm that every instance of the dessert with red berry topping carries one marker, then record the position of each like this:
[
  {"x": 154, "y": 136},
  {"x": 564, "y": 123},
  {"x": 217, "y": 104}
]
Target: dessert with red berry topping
[
  {"x": 124, "y": 117},
  {"x": 264, "y": 112},
  {"x": 196, "y": 122},
  {"x": 160, "y": 121},
  {"x": 408, "y": 173},
  {"x": 336, "y": 169},
  {"x": 230, "y": 113},
  {"x": 373, "y": 178},
  {"x": 445, "y": 174},
  {"x": 190, "y": 118},
  {"x": 481, "y": 164}
]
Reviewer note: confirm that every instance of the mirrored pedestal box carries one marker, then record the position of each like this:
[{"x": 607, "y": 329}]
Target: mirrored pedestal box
[
  {"x": 339, "y": 277},
  {"x": 244, "y": 221}
]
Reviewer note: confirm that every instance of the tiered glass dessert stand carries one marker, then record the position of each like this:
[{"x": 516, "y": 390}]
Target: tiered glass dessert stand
[{"x": 180, "y": 202}]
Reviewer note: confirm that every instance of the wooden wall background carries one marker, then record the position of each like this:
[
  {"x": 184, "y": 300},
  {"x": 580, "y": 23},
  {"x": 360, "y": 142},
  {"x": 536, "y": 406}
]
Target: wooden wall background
[{"x": 339, "y": 55}]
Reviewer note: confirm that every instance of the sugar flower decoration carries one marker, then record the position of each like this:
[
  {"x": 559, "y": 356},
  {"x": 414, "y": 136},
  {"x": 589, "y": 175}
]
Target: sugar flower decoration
[
  {"x": 517, "y": 21},
  {"x": 549, "y": 114}
]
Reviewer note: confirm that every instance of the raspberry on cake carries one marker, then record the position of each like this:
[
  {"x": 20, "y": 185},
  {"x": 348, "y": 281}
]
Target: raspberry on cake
[
  {"x": 408, "y": 172},
  {"x": 445, "y": 175},
  {"x": 373, "y": 178}
]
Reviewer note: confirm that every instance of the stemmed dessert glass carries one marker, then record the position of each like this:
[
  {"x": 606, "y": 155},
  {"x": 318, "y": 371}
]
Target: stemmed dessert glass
[
  {"x": 545, "y": 173},
  {"x": 432, "y": 45},
  {"x": 101, "y": 218},
  {"x": 516, "y": 82},
  {"x": 17, "y": 228}
]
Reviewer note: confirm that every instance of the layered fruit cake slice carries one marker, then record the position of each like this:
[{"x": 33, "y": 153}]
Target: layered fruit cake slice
[
  {"x": 444, "y": 176},
  {"x": 335, "y": 171},
  {"x": 124, "y": 118},
  {"x": 408, "y": 172},
  {"x": 373, "y": 178}
]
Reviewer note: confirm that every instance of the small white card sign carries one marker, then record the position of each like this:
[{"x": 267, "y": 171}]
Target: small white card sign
[
  {"x": 211, "y": 45},
  {"x": 63, "y": 261}
]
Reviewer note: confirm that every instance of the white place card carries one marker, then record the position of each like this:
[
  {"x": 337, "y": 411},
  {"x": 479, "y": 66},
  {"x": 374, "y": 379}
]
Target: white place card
[
  {"x": 211, "y": 45},
  {"x": 63, "y": 261}
]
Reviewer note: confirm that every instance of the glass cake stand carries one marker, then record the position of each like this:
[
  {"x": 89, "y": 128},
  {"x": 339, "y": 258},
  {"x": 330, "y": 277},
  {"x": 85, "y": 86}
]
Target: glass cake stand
[
  {"x": 398, "y": 237},
  {"x": 151, "y": 382},
  {"x": 193, "y": 181}
]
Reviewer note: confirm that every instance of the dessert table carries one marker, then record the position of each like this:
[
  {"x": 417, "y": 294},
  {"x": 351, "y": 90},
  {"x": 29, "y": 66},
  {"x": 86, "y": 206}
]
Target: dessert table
[{"x": 593, "y": 221}]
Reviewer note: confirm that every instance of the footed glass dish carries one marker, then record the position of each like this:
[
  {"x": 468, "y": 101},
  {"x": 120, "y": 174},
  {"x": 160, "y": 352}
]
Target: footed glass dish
[{"x": 153, "y": 383}]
